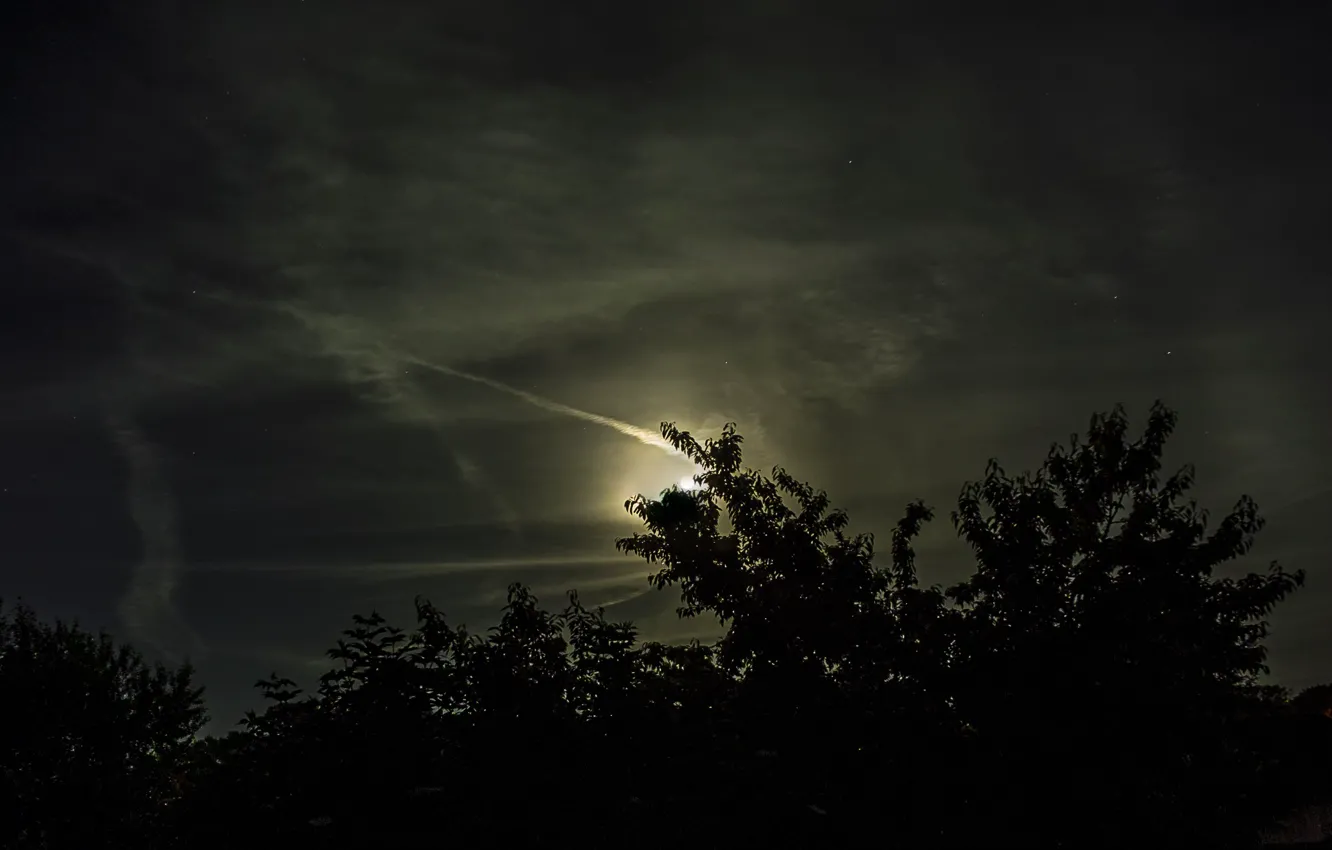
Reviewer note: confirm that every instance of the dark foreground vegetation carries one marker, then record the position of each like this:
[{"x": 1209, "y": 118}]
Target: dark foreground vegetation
[{"x": 1094, "y": 683}]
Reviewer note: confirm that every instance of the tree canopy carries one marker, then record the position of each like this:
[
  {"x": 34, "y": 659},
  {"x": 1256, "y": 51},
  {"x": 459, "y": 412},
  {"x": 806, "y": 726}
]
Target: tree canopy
[
  {"x": 1096, "y": 681},
  {"x": 94, "y": 740}
]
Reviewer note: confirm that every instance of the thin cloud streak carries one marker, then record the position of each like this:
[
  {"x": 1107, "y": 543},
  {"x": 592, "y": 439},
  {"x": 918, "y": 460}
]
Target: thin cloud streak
[
  {"x": 147, "y": 606},
  {"x": 392, "y": 571},
  {"x": 409, "y": 398},
  {"x": 643, "y": 435},
  {"x": 344, "y": 336}
]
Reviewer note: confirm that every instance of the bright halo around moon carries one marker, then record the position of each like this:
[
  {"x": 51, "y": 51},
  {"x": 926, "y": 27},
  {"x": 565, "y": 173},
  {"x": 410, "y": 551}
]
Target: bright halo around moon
[{"x": 648, "y": 475}]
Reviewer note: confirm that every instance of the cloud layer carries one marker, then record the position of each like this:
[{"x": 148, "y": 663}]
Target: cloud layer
[{"x": 337, "y": 298}]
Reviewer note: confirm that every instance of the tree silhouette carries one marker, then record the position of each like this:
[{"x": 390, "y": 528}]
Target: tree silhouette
[
  {"x": 94, "y": 740},
  {"x": 1300, "y": 741},
  {"x": 1314, "y": 700},
  {"x": 1101, "y": 656},
  {"x": 830, "y": 651},
  {"x": 1093, "y": 659},
  {"x": 1095, "y": 682}
]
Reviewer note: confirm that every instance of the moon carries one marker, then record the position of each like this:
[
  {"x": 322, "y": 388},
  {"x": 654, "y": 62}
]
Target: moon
[{"x": 688, "y": 483}]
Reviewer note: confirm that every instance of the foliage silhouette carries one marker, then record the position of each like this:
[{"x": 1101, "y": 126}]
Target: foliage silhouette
[
  {"x": 1095, "y": 682},
  {"x": 1091, "y": 657},
  {"x": 94, "y": 741},
  {"x": 1101, "y": 657}
]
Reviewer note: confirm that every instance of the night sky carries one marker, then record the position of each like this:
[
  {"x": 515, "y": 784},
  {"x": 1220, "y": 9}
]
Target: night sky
[{"x": 311, "y": 306}]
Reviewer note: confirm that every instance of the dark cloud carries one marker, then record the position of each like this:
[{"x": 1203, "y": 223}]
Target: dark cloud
[{"x": 253, "y": 247}]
